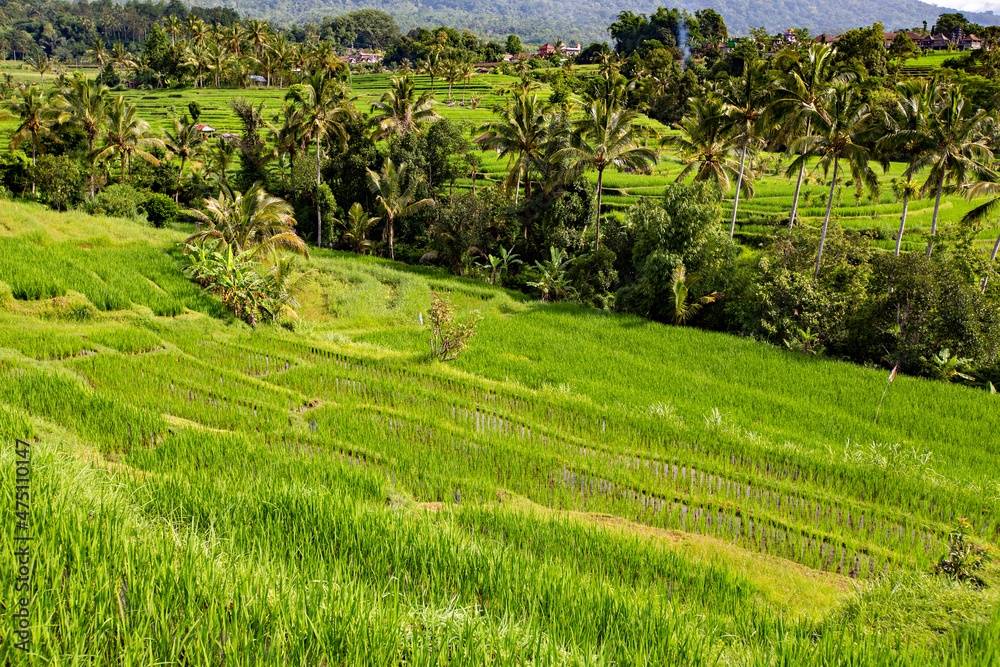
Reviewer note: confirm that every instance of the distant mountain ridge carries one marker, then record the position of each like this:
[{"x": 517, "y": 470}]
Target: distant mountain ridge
[{"x": 586, "y": 20}]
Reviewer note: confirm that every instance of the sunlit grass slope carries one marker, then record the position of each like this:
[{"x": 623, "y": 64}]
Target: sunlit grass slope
[{"x": 577, "y": 489}]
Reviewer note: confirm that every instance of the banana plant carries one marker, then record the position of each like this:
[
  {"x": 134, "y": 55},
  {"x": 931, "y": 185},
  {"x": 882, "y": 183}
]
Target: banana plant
[{"x": 500, "y": 266}]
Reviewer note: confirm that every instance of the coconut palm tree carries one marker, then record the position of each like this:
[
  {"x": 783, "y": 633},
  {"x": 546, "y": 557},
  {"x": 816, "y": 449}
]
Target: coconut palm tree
[
  {"x": 955, "y": 148},
  {"x": 842, "y": 131},
  {"x": 989, "y": 188},
  {"x": 287, "y": 137},
  {"x": 197, "y": 30},
  {"x": 395, "y": 192},
  {"x": 745, "y": 100},
  {"x": 98, "y": 53},
  {"x": 519, "y": 134},
  {"x": 254, "y": 222},
  {"x": 86, "y": 102},
  {"x": 41, "y": 64},
  {"x": 907, "y": 190},
  {"x": 807, "y": 77},
  {"x": 401, "y": 110},
  {"x": 175, "y": 28},
  {"x": 323, "y": 102},
  {"x": 906, "y": 132},
  {"x": 216, "y": 58},
  {"x": 121, "y": 58},
  {"x": 356, "y": 227},
  {"x": 708, "y": 152},
  {"x": 431, "y": 66},
  {"x": 606, "y": 136},
  {"x": 680, "y": 284},
  {"x": 185, "y": 142},
  {"x": 126, "y": 136},
  {"x": 36, "y": 117},
  {"x": 453, "y": 70}
]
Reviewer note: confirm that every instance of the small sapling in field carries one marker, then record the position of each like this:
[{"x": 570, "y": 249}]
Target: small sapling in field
[{"x": 449, "y": 336}]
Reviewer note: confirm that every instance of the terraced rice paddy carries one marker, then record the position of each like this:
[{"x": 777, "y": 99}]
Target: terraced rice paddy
[{"x": 578, "y": 488}]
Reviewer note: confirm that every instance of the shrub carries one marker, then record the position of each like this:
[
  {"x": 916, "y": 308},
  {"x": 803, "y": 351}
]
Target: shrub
[
  {"x": 160, "y": 209},
  {"x": 117, "y": 201},
  {"x": 964, "y": 558},
  {"x": 59, "y": 179}
]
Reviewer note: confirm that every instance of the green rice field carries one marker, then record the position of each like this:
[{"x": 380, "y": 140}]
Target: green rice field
[{"x": 578, "y": 488}]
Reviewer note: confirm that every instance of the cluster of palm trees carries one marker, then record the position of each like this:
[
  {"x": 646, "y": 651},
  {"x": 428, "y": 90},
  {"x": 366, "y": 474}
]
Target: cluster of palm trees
[
  {"x": 448, "y": 66},
  {"x": 113, "y": 128},
  {"x": 816, "y": 108},
  {"x": 227, "y": 55},
  {"x": 551, "y": 148}
]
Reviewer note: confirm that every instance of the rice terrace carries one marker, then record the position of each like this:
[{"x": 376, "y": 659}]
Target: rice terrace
[{"x": 328, "y": 344}]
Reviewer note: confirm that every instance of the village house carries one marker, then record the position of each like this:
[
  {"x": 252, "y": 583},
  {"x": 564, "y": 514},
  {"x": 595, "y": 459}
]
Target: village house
[
  {"x": 888, "y": 37},
  {"x": 361, "y": 57},
  {"x": 549, "y": 50}
]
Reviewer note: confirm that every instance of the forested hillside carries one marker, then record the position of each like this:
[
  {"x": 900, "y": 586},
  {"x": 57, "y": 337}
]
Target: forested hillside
[{"x": 585, "y": 21}]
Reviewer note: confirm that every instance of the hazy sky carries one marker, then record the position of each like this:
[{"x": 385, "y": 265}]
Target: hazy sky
[{"x": 970, "y": 5}]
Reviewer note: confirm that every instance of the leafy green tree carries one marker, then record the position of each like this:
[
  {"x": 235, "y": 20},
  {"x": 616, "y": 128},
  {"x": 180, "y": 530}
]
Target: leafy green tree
[
  {"x": 59, "y": 179},
  {"x": 513, "y": 45},
  {"x": 679, "y": 228},
  {"x": 712, "y": 26},
  {"x": 865, "y": 47}
]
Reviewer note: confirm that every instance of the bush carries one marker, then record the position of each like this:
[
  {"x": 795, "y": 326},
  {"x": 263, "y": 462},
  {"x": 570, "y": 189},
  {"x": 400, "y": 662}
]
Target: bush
[
  {"x": 680, "y": 229},
  {"x": 59, "y": 180},
  {"x": 160, "y": 209},
  {"x": 117, "y": 201}
]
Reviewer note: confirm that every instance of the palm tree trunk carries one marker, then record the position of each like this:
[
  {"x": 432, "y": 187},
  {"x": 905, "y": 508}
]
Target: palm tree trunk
[
  {"x": 392, "y": 236},
  {"x": 986, "y": 277},
  {"x": 600, "y": 182},
  {"x": 180, "y": 175},
  {"x": 937, "y": 205},
  {"x": 798, "y": 183},
  {"x": 319, "y": 213},
  {"x": 795, "y": 199},
  {"x": 34, "y": 149},
  {"x": 517, "y": 188},
  {"x": 826, "y": 220},
  {"x": 902, "y": 224},
  {"x": 93, "y": 166},
  {"x": 739, "y": 185}
]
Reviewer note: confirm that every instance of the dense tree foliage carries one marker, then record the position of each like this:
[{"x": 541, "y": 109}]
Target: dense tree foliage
[{"x": 382, "y": 179}]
